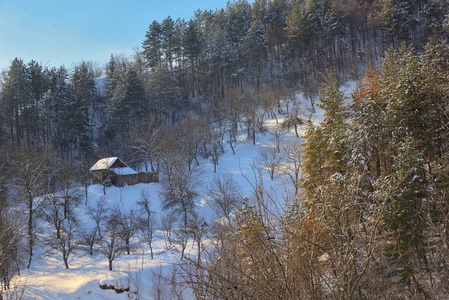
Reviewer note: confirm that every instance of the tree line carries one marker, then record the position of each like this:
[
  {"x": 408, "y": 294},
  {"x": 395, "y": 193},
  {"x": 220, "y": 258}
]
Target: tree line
[
  {"x": 199, "y": 67},
  {"x": 289, "y": 43}
]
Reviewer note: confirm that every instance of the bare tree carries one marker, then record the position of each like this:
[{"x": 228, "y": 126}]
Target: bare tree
[
  {"x": 194, "y": 132},
  {"x": 293, "y": 120},
  {"x": 291, "y": 162},
  {"x": 181, "y": 238},
  {"x": 59, "y": 205},
  {"x": 179, "y": 186},
  {"x": 127, "y": 222},
  {"x": 233, "y": 110},
  {"x": 179, "y": 182},
  {"x": 97, "y": 213},
  {"x": 146, "y": 143},
  {"x": 158, "y": 286},
  {"x": 216, "y": 148},
  {"x": 167, "y": 222},
  {"x": 199, "y": 228},
  {"x": 85, "y": 180},
  {"x": 31, "y": 184},
  {"x": 269, "y": 159},
  {"x": 66, "y": 243},
  {"x": 53, "y": 213},
  {"x": 67, "y": 187},
  {"x": 249, "y": 105},
  {"x": 147, "y": 219},
  {"x": 89, "y": 238},
  {"x": 111, "y": 245},
  {"x": 270, "y": 98},
  {"x": 174, "y": 281},
  {"x": 225, "y": 196},
  {"x": 10, "y": 223},
  {"x": 310, "y": 91}
]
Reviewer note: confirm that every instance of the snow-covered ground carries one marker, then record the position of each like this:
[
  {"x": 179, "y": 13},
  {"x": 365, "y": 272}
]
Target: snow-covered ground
[{"x": 48, "y": 279}]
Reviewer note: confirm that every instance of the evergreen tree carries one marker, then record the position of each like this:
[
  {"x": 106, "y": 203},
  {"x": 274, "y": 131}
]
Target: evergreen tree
[
  {"x": 168, "y": 40},
  {"x": 84, "y": 88},
  {"x": 313, "y": 157},
  {"x": 152, "y": 45},
  {"x": 238, "y": 23},
  {"x": 256, "y": 47},
  {"x": 275, "y": 24},
  {"x": 61, "y": 99},
  {"x": 435, "y": 11},
  {"x": 302, "y": 29},
  {"x": 17, "y": 102},
  {"x": 193, "y": 48},
  {"x": 39, "y": 86},
  {"x": 333, "y": 125},
  {"x": 402, "y": 194},
  {"x": 325, "y": 151},
  {"x": 164, "y": 93},
  {"x": 128, "y": 103},
  {"x": 369, "y": 138}
]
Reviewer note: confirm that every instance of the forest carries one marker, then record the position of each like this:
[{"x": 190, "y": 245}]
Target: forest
[{"x": 368, "y": 215}]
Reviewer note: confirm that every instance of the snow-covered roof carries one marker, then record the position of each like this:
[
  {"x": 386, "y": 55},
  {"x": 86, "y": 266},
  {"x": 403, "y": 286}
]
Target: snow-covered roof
[
  {"x": 104, "y": 164},
  {"x": 123, "y": 171},
  {"x": 107, "y": 163}
]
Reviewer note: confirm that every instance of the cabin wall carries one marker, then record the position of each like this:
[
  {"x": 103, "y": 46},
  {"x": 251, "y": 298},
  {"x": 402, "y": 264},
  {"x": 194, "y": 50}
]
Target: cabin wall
[{"x": 99, "y": 177}]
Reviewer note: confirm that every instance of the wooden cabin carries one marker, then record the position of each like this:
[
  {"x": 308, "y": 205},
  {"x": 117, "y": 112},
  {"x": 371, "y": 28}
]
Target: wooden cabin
[{"x": 113, "y": 170}]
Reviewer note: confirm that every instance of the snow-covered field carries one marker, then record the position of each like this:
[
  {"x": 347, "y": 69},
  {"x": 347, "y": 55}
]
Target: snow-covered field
[{"x": 48, "y": 279}]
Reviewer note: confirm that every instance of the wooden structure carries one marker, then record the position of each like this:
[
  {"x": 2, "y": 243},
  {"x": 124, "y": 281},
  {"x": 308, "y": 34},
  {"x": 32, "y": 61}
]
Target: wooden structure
[{"x": 113, "y": 170}]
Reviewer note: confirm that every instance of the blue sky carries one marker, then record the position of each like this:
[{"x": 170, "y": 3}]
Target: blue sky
[{"x": 56, "y": 32}]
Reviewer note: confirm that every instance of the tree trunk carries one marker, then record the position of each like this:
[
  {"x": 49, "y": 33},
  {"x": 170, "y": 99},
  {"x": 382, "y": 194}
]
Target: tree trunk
[
  {"x": 232, "y": 147},
  {"x": 30, "y": 234},
  {"x": 254, "y": 136}
]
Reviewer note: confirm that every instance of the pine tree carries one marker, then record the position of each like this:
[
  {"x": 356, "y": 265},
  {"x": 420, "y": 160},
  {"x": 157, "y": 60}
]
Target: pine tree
[
  {"x": 193, "y": 48},
  {"x": 402, "y": 194},
  {"x": 334, "y": 125},
  {"x": 128, "y": 104},
  {"x": 152, "y": 44},
  {"x": 275, "y": 24},
  {"x": 84, "y": 87},
  {"x": 62, "y": 97},
  {"x": 435, "y": 12},
  {"x": 369, "y": 137},
  {"x": 168, "y": 40},
  {"x": 257, "y": 50},
  {"x": 39, "y": 86},
  {"x": 16, "y": 99},
  {"x": 325, "y": 151},
  {"x": 164, "y": 93},
  {"x": 313, "y": 158}
]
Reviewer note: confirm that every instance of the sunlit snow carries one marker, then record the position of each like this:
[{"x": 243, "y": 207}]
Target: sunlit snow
[{"x": 48, "y": 279}]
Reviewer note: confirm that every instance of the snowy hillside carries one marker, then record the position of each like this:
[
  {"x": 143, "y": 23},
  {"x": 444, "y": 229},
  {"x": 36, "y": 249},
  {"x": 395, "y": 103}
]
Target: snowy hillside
[{"x": 48, "y": 279}]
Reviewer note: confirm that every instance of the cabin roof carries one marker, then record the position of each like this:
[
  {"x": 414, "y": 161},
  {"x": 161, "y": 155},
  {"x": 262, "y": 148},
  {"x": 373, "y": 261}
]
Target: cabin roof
[
  {"x": 123, "y": 171},
  {"x": 104, "y": 163}
]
